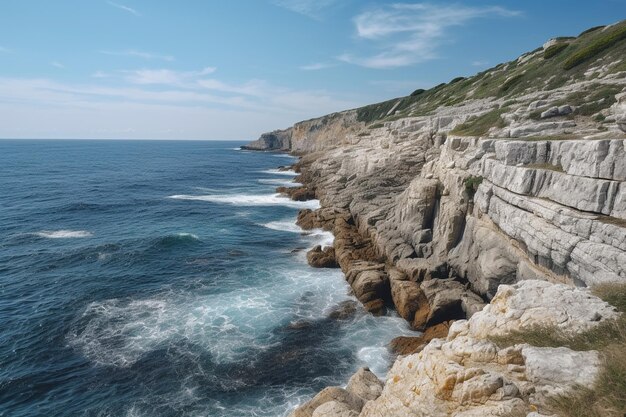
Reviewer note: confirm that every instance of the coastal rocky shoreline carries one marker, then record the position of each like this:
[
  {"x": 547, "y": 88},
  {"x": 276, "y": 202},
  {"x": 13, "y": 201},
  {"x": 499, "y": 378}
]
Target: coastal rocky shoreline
[{"x": 474, "y": 226}]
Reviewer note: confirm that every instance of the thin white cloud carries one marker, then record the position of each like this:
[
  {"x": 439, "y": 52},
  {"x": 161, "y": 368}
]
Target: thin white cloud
[
  {"x": 166, "y": 76},
  {"x": 124, "y": 7},
  {"x": 255, "y": 88},
  {"x": 57, "y": 64},
  {"x": 309, "y": 8},
  {"x": 46, "y": 108},
  {"x": 100, "y": 74},
  {"x": 480, "y": 63},
  {"x": 409, "y": 33},
  {"x": 5, "y": 50},
  {"x": 317, "y": 66},
  {"x": 139, "y": 54}
]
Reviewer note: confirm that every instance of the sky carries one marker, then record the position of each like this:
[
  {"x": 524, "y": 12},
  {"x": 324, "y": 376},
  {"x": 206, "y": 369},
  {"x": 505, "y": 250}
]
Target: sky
[{"x": 233, "y": 69}]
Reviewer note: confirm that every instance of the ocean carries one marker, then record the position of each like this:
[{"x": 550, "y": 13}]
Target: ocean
[{"x": 166, "y": 278}]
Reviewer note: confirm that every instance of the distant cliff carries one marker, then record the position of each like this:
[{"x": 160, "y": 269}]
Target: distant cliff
[{"x": 278, "y": 140}]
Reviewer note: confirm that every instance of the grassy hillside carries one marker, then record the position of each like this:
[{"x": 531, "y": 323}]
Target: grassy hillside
[{"x": 564, "y": 62}]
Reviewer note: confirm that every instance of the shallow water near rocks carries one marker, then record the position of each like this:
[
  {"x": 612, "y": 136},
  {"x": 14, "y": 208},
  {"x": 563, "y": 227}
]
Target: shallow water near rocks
[{"x": 159, "y": 278}]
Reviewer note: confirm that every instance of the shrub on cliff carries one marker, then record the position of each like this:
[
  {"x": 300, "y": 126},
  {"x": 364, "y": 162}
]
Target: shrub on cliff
[
  {"x": 554, "y": 50},
  {"x": 594, "y": 48},
  {"x": 471, "y": 185},
  {"x": 478, "y": 126}
]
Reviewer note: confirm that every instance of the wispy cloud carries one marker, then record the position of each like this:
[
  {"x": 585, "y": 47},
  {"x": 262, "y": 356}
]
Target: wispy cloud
[
  {"x": 213, "y": 109},
  {"x": 310, "y": 8},
  {"x": 124, "y": 7},
  {"x": 480, "y": 63},
  {"x": 139, "y": 54},
  {"x": 100, "y": 74},
  {"x": 254, "y": 88},
  {"x": 317, "y": 66},
  {"x": 409, "y": 33},
  {"x": 165, "y": 76},
  {"x": 57, "y": 64},
  {"x": 5, "y": 50}
]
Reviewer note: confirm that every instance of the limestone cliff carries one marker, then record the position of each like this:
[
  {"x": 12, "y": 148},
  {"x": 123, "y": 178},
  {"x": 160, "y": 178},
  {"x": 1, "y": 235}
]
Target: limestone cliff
[{"x": 508, "y": 185}]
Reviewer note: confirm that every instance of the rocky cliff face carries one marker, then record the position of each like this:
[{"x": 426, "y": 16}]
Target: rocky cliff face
[
  {"x": 278, "y": 140},
  {"x": 464, "y": 195}
]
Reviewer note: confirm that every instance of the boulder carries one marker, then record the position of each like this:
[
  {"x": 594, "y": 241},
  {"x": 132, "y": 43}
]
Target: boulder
[
  {"x": 339, "y": 395},
  {"x": 344, "y": 310},
  {"x": 531, "y": 303},
  {"x": 551, "y": 112},
  {"x": 370, "y": 284},
  {"x": 334, "y": 409},
  {"x": 407, "y": 345},
  {"x": 365, "y": 385},
  {"x": 407, "y": 295},
  {"x": 302, "y": 193},
  {"x": 322, "y": 258},
  {"x": 557, "y": 111}
]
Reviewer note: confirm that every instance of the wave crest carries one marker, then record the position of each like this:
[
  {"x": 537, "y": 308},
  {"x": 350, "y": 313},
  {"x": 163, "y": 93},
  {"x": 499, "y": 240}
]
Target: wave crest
[
  {"x": 250, "y": 200},
  {"x": 63, "y": 234}
]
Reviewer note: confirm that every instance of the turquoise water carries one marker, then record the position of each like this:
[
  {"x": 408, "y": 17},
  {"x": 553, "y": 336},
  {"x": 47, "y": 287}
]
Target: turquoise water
[{"x": 165, "y": 278}]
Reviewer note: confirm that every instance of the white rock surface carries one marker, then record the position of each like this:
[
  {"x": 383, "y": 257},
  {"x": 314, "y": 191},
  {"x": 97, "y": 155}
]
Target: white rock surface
[{"x": 468, "y": 375}]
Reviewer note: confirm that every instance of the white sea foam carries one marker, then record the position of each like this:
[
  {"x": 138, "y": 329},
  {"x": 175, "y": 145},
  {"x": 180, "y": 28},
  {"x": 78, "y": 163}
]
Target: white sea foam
[
  {"x": 63, "y": 234},
  {"x": 188, "y": 235},
  {"x": 284, "y": 226},
  {"x": 278, "y": 181},
  {"x": 322, "y": 237},
  {"x": 317, "y": 236},
  {"x": 119, "y": 332},
  {"x": 280, "y": 172},
  {"x": 377, "y": 359},
  {"x": 285, "y": 155},
  {"x": 250, "y": 200}
]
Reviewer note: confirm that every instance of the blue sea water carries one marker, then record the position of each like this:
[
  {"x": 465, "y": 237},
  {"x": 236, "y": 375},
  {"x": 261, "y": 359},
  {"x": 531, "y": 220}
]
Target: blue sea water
[{"x": 165, "y": 278}]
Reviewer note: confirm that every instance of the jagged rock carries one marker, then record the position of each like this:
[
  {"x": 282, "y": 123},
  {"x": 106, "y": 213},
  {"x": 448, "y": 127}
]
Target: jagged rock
[
  {"x": 407, "y": 296},
  {"x": 551, "y": 112},
  {"x": 276, "y": 140},
  {"x": 557, "y": 111},
  {"x": 347, "y": 400},
  {"x": 302, "y": 193},
  {"x": 619, "y": 111},
  {"x": 344, "y": 310},
  {"x": 338, "y": 402},
  {"x": 334, "y": 409},
  {"x": 536, "y": 303},
  {"x": 547, "y": 369},
  {"x": 449, "y": 300},
  {"x": 365, "y": 385},
  {"x": 322, "y": 258},
  {"x": 466, "y": 374},
  {"x": 370, "y": 284},
  {"x": 407, "y": 345}
]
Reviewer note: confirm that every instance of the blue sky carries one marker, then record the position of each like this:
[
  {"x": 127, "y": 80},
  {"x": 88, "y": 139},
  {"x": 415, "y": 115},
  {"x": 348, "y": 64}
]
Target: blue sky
[{"x": 156, "y": 69}]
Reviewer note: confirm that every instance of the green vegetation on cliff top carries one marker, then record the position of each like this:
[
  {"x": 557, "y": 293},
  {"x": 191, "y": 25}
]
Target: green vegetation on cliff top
[{"x": 562, "y": 63}]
